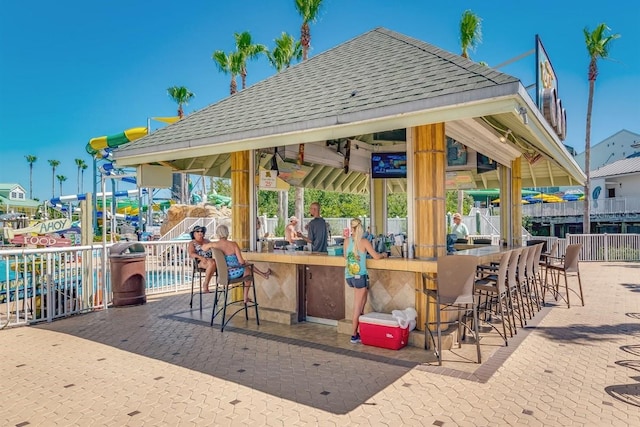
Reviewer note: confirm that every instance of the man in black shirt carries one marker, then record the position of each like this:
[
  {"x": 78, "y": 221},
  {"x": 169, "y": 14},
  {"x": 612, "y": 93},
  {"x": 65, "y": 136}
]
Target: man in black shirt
[{"x": 318, "y": 233}]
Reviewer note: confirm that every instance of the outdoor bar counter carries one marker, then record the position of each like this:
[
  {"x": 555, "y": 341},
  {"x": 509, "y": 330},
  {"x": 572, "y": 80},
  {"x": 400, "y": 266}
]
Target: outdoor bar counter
[{"x": 311, "y": 286}]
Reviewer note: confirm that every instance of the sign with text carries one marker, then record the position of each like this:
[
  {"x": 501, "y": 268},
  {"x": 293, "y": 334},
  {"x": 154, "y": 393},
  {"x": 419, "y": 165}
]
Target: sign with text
[
  {"x": 268, "y": 180},
  {"x": 48, "y": 241},
  {"x": 45, "y": 227}
]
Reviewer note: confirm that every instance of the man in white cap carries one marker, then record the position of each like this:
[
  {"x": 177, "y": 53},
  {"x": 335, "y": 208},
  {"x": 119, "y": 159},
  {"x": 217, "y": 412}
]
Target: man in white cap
[{"x": 290, "y": 232}]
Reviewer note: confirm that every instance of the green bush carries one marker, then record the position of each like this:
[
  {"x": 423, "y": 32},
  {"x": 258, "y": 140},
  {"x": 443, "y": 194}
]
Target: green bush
[{"x": 279, "y": 230}]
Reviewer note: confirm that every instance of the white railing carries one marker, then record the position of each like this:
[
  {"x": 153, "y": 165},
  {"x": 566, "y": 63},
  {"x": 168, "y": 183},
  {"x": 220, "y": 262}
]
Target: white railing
[
  {"x": 187, "y": 224},
  {"x": 629, "y": 206},
  {"x": 70, "y": 280},
  {"x": 607, "y": 247},
  {"x": 45, "y": 284}
]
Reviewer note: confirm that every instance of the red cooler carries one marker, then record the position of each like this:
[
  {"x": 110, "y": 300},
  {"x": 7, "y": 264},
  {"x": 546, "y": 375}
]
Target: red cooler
[{"x": 382, "y": 330}]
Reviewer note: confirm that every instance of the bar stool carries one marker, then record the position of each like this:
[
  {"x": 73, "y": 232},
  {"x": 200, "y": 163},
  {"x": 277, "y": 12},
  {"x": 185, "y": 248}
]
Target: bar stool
[
  {"x": 226, "y": 284},
  {"x": 569, "y": 265},
  {"x": 530, "y": 273},
  {"x": 454, "y": 293},
  {"x": 512, "y": 288},
  {"x": 522, "y": 282},
  {"x": 494, "y": 288},
  {"x": 199, "y": 271}
]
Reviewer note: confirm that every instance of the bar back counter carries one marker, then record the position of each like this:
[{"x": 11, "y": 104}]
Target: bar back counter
[{"x": 307, "y": 286}]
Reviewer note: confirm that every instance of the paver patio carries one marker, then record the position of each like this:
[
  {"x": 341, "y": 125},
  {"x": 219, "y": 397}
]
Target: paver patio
[{"x": 161, "y": 364}]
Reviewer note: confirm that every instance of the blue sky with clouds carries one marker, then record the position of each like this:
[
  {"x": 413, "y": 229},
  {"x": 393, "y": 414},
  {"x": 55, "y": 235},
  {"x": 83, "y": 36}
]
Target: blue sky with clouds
[{"x": 73, "y": 70}]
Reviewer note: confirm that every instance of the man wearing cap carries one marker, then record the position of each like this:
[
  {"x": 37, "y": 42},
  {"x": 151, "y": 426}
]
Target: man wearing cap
[{"x": 290, "y": 232}]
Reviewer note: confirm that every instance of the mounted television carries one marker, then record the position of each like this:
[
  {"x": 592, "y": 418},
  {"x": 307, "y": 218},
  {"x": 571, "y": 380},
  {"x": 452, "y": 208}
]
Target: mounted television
[{"x": 388, "y": 165}]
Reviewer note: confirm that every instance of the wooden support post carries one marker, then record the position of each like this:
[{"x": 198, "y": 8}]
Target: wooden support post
[{"x": 429, "y": 156}]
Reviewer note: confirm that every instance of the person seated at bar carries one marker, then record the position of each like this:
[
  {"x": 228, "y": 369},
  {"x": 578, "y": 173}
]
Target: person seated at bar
[
  {"x": 203, "y": 257},
  {"x": 459, "y": 229},
  {"x": 233, "y": 257}
]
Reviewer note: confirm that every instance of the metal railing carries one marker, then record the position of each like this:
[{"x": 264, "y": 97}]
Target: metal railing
[
  {"x": 629, "y": 206},
  {"x": 607, "y": 247},
  {"x": 39, "y": 285},
  {"x": 71, "y": 281},
  {"x": 187, "y": 224}
]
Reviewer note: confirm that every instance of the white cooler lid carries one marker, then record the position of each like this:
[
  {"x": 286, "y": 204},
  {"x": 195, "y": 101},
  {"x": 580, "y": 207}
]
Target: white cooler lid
[{"x": 374, "y": 318}]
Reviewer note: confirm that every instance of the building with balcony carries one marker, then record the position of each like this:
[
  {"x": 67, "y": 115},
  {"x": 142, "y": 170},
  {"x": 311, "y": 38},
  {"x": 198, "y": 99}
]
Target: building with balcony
[
  {"x": 13, "y": 199},
  {"x": 615, "y": 204}
]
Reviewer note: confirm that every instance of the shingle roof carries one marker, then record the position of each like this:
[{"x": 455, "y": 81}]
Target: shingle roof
[
  {"x": 621, "y": 167},
  {"x": 377, "y": 74}
]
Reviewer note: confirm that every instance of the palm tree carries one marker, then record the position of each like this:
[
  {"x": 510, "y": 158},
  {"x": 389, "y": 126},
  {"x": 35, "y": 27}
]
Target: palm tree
[
  {"x": 181, "y": 96},
  {"x": 31, "y": 160},
  {"x": 61, "y": 179},
  {"x": 54, "y": 164},
  {"x": 598, "y": 47},
  {"x": 470, "y": 37},
  {"x": 470, "y": 32},
  {"x": 229, "y": 64},
  {"x": 308, "y": 9},
  {"x": 287, "y": 49},
  {"x": 247, "y": 51},
  {"x": 79, "y": 164},
  {"x": 82, "y": 169}
]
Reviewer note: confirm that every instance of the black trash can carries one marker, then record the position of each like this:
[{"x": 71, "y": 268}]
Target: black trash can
[{"x": 128, "y": 274}]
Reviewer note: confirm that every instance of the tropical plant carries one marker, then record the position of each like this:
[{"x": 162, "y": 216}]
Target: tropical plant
[
  {"x": 54, "y": 164},
  {"x": 470, "y": 32},
  {"x": 31, "y": 160},
  {"x": 287, "y": 50},
  {"x": 79, "y": 163},
  {"x": 598, "y": 44},
  {"x": 181, "y": 96},
  {"x": 308, "y": 10},
  {"x": 452, "y": 199},
  {"x": 247, "y": 51},
  {"x": 279, "y": 230},
  {"x": 61, "y": 179},
  {"x": 229, "y": 64},
  {"x": 82, "y": 169}
]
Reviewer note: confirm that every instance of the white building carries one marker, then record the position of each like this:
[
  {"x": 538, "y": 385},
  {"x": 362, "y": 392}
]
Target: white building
[{"x": 616, "y": 147}]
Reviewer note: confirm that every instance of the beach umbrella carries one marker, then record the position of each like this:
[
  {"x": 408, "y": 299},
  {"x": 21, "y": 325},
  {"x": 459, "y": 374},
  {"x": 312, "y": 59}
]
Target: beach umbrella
[
  {"x": 548, "y": 198},
  {"x": 497, "y": 201}
]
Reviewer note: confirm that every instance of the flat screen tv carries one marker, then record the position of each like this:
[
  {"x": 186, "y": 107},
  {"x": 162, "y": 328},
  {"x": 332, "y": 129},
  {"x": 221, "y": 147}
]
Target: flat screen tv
[{"x": 389, "y": 165}]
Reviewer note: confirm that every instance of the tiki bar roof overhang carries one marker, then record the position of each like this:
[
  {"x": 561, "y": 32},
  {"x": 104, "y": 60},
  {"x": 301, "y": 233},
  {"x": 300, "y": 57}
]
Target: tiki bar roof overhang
[{"x": 366, "y": 90}]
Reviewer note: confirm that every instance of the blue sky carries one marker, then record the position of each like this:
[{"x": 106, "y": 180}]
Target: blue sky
[{"x": 72, "y": 70}]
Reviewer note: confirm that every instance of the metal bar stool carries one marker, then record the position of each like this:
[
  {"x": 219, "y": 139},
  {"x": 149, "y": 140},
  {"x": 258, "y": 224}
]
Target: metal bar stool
[{"x": 224, "y": 285}]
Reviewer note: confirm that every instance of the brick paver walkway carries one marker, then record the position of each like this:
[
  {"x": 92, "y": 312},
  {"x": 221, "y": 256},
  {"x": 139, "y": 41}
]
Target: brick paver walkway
[{"x": 159, "y": 364}]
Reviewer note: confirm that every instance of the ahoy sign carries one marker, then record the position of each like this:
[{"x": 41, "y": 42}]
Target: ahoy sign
[
  {"x": 47, "y": 241},
  {"x": 46, "y": 227}
]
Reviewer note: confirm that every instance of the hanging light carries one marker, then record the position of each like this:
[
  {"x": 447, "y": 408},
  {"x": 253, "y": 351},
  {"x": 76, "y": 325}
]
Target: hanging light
[
  {"x": 274, "y": 161},
  {"x": 504, "y": 138}
]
